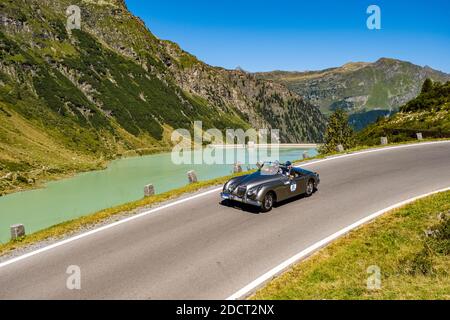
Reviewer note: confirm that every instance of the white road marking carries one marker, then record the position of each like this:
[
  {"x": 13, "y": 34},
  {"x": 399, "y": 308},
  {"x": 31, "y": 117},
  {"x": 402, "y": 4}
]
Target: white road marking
[
  {"x": 374, "y": 150},
  {"x": 172, "y": 204},
  {"x": 308, "y": 251}
]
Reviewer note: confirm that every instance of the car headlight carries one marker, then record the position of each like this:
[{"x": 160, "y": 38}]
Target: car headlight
[
  {"x": 228, "y": 187},
  {"x": 253, "y": 191}
]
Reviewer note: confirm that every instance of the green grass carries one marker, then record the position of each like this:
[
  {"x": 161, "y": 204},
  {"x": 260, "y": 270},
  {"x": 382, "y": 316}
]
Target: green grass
[
  {"x": 64, "y": 229},
  {"x": 34, "y": 155},
  {"x": 428, "y": 113},
  {"x": 413, "y": 265},
  {"x": 379, "y": 96},
  {"x": 187, "y": 61}
]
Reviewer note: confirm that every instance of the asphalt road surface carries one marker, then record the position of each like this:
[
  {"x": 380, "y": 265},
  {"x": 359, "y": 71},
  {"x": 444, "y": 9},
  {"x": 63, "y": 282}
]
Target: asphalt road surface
[{"x": 203, "y": 250}]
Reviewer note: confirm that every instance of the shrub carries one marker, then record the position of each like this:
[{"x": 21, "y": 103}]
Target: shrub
[{"x": 338, "y": 131}]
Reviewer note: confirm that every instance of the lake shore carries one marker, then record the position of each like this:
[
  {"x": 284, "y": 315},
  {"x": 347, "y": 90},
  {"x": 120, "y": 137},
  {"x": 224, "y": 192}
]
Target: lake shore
[{"x": 20, "y": 181}]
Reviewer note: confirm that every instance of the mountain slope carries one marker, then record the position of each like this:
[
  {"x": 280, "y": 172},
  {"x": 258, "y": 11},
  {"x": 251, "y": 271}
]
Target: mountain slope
[
  {"x": 69, "y": 100},
  {"x": 428, "y": 113},
  {"x": 386, "y": 84}
]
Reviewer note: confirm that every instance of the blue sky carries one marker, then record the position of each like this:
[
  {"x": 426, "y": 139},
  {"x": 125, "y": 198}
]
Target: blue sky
[{"x": 264, "y": 35}]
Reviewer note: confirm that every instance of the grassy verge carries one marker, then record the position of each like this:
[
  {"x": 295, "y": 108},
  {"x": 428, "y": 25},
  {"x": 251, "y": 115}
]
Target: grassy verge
[
  {"x": 410, "y": 245},
  {"x": 72, "y": 226}
]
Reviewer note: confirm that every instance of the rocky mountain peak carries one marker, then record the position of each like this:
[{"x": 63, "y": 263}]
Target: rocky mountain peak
[{"x": 359, "y": 87}]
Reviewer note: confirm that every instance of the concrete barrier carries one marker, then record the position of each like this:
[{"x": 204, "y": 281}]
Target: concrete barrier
[
  {"x": 149, "y": 190},
  {"x": 384, "y": 141},
  {"x": 340, "y": 148},
  {"x": 419, "y": 136},
  {"x": 17, "y": 231},
  {"x": 192, "y": 176}
]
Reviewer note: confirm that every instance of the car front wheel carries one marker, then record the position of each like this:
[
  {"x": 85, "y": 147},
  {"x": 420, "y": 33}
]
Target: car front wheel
[{"x": 268, "y": 202}]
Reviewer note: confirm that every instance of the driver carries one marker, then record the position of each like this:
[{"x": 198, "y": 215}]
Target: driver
[{"x": 289, "y": 171}]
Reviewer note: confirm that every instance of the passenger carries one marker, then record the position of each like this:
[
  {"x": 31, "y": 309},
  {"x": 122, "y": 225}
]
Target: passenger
[{"x": 289, "y": 169}]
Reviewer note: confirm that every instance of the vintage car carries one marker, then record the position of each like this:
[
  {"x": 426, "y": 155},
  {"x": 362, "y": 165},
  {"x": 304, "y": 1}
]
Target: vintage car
[{"x": 272, "y": 183}]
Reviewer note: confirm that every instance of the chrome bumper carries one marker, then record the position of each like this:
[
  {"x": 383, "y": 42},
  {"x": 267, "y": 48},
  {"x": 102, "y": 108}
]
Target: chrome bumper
[{"x": 229, "y": 196}]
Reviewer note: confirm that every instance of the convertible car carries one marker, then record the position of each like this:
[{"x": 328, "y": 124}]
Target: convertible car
[{"x": 272, "y": 183}]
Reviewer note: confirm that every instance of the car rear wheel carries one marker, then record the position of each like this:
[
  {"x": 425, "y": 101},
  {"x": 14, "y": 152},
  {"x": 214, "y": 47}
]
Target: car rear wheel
[
  {"x": 310, "y": 188},
  {"x": 268, "y": 202}
]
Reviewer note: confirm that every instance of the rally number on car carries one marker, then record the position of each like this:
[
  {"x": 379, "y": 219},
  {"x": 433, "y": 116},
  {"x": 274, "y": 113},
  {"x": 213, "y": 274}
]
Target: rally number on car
[{"x": 293, "y": 187}]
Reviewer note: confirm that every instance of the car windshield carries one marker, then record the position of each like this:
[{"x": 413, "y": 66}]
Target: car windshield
[{"x": 270, "y": 169}]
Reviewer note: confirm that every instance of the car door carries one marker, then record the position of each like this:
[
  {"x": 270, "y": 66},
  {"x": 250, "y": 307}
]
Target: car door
[
  {"x": 297, "y": 184},
  {"x": 283, "y": 190},
  {"x": 301, "y": 181},
  {"x": 292, "y": 186}
]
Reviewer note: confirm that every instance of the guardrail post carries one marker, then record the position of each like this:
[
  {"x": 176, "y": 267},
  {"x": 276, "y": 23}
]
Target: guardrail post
[
  {"x": 340, "y": 148},
  {"x": 419, "y": 136},
  {"x": 192, "y": 176},
  {"x": 384, "y": 141},
  {"x": 149, "y": 190},
  {"x": 17, "y": 231}
]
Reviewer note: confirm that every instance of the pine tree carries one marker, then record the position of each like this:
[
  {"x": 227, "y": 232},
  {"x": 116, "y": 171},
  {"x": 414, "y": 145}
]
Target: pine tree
[
  {"x": 338, "y": 132},
  {"x": 427, "y": 85}
]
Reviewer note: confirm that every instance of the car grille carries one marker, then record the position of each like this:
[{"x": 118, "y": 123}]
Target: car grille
[{"x": 241, "y": 191}]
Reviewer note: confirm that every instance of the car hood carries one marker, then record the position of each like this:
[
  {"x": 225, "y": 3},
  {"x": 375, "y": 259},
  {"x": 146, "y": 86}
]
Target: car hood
[{"x": 255, "y": 179}]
